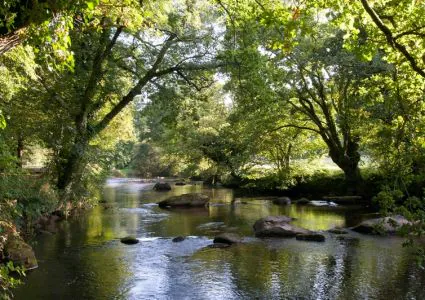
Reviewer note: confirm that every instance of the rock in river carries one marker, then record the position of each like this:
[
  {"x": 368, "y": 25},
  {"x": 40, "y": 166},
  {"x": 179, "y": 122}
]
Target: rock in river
[
  {"x": 185, "y": 200},
  {"x": 178, "y": 239},
  {"x": 277, "y": 226},
  {"x": 227, "y": 238},
  {"x": 382, "y": 226},
  {"x": 282, "y": 201},
  {"x": 314, "y": 237},
  {"x": 162, "y": 186},
  {"x": 129, "y": 240},
  {"x": 20, "y": 253}
]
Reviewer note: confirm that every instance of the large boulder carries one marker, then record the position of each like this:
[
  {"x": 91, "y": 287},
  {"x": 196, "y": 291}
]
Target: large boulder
[
  {"x": 227, "y": 238},
  {"x": 162, "y": 186},
  {"x": 282, "y": 201},
  {"x": 186, "y": 200},
  {"x": 20, "y": 253},
  {"x": 277, "y": 226},
  {"x": 382, "y": 226}
]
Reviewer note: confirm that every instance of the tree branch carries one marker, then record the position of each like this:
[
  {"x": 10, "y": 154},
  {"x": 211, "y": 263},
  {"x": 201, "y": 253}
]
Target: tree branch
[
  {"x": 390, "y": 38},
  {"x": 295, "y": 126},
  {"x": 135, "y": 90}
]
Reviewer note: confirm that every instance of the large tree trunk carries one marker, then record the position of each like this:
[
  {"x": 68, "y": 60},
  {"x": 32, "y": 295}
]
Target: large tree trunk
[
  {"x": 71, "y": 163},
  {"x": 348, "y": 160}
]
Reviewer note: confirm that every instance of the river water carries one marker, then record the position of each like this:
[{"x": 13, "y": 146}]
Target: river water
[{"x": 85, "y": 259}]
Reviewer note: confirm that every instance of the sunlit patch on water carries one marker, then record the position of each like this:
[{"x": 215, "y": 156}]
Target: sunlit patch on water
[
  {"x": 211, "y": 225},
  {"x": 144, "y": 212},
  {"x": 150, "y": 205}
]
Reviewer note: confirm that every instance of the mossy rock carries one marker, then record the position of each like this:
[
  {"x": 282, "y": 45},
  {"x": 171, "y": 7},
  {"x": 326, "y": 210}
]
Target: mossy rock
[
  {"x": 382, "y": 226},
  {"x": 20, "y": 253}
]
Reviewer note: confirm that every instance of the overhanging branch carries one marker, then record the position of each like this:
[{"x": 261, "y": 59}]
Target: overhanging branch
[{"x": 392, "y": 41}]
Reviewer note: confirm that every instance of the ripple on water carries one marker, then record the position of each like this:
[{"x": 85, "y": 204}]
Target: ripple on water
[
  {"x": 160, "y": 267},
  {"x": 145, "y": 212}
]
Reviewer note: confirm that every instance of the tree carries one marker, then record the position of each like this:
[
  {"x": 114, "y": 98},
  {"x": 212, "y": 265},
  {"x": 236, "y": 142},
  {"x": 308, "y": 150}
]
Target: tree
[
  {"x": 316, "y": 79},
  {"x": 112, "y": 67}
]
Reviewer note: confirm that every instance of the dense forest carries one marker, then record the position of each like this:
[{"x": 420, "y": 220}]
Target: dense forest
[{"x": 306, "y": 98}]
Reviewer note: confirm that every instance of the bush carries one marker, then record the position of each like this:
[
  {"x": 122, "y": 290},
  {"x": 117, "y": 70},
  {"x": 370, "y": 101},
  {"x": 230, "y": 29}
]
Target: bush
[{"x": 31, "y": 197}]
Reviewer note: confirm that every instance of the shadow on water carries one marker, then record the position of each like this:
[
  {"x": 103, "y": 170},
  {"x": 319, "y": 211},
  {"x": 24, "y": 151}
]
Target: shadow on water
[{"x": 85, "y": 259}]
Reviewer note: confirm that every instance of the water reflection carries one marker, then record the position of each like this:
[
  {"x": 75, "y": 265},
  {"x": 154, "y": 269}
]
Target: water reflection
[{"x": 85, "y": 259}]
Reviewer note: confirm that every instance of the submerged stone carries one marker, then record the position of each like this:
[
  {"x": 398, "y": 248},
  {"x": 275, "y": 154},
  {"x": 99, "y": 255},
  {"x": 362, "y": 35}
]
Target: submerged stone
[
  {"x": 282, "y": 201},
  {"x": 227, "y": 238},
  {"x": 162, "y": 186},
  {"x": 337, "y": 231},
  {"x": 348, "y": 239},
  {"x": 313, "y": 237},
  {"x": 129, "y": 240}
]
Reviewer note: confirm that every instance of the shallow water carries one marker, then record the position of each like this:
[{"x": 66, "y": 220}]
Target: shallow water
[{"x": 85, "y": 259}]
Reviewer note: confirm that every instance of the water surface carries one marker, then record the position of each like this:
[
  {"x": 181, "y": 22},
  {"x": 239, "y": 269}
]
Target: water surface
[{"x": 85, "y": 259}]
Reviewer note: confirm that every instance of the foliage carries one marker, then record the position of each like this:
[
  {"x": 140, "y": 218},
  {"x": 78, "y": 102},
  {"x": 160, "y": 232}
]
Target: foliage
[
  {"x": 387, "y": 199},
  {"x": 8, "y": 280},
  {"x": 32, "y": 197}
]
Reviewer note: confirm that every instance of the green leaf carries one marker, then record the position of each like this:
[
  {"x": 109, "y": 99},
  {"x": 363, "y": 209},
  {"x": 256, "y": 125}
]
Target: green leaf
[
  {"x": 90, "y": 5},
  {"x": 2, "y": 121}
]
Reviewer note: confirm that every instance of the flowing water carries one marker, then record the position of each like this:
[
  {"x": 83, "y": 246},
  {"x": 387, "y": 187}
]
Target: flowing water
[{"x": 85, "y": 259}]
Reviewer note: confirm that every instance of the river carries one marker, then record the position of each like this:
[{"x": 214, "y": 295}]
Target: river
[{"x": 86, "y": 260}]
